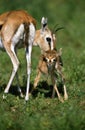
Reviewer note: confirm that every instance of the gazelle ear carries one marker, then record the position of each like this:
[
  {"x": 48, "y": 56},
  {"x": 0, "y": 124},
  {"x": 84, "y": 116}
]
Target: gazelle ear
[
  {"x": 54, "y": 37},
  {"x": 43, "y": 23}
]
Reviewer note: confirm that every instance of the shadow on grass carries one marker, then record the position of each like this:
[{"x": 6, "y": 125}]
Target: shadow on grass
[{"x": 42, "y": 88}]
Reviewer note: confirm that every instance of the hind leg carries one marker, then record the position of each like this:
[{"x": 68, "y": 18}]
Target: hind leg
[{"x": 15, "y": 62}]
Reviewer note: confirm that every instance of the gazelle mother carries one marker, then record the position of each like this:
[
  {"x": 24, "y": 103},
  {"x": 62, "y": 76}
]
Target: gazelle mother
[{"x": 17, "y": 30}]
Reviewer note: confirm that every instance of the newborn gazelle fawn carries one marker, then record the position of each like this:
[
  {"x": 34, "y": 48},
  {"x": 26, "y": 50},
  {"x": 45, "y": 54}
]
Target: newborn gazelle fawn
[{"x": 50, "y": 64}]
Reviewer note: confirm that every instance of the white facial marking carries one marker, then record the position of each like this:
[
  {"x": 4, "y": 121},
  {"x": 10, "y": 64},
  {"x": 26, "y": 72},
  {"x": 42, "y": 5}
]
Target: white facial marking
[
  {"x": 52, "y": 46},
  {"x": 51, "y": 42},
  {"x": 47, "y": 59},
  {"x": 53, "y": 60}
]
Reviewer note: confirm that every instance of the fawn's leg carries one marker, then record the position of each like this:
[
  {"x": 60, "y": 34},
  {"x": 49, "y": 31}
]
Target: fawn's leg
[
  {"x": 37, "y": 79},
  {"x": 53, "y": 93},
  {"x": 65, "y": 91},
  {"x": 59, "y": 96},
  {"x": 55, "y": 88}
]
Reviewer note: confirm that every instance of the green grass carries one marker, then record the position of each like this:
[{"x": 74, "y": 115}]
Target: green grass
[{"x": 42, "y": 112}]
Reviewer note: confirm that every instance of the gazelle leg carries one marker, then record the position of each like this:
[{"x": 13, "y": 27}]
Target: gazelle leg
[
  {"x": 65, "y": 93},
  {"x": 64, "y": 87},
  {"x": 15, "y": 63},
  {"x": 63, "y": 80},
  {"x": 28, "y": 57},
  {"x": 53, "y": 93},
  {"x": 19, "y": 89},
  {"x": 59, "y": 96},
  {"x": 56, "y": 89},
  {"x": 37, "y": 79},
  {"x": 17, "y": 78},
  {"x": 53, "y": 82}
]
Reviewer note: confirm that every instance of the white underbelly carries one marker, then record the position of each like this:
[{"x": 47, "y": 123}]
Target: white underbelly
[{"x": 1, "y": 44}]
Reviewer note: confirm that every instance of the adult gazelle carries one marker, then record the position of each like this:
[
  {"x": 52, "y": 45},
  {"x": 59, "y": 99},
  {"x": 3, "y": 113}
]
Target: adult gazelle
[{"x": 17, "y": 30}]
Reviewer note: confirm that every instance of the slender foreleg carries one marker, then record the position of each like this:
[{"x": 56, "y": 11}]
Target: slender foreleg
[
  {"x": 65, "y": 93},
  {"x": 63, "y": 80},
  {"x": 58, "y": 94},
  {"x": 53, "y": 93},
  {"x": 55, "y": 88}
]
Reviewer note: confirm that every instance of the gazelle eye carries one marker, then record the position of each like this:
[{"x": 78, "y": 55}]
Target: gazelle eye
[
  {"x": 54, "y": 60},
  {"x": 48, "y": 39},
  {"x": 45, "y": 59}
]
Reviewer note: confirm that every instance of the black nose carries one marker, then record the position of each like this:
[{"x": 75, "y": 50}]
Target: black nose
[{"x": 48, "y": 39}]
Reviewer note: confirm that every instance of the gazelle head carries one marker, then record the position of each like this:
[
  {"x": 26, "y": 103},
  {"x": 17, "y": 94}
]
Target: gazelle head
[
  {"x": 45, "y": 38},
  {"x": 51, "y": 58},
  {"x": 47, "y": 35}
]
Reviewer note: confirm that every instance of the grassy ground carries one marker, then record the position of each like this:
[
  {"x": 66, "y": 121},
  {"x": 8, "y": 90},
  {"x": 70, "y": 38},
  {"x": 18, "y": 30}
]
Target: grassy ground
[{"x": 42, "y": 112}]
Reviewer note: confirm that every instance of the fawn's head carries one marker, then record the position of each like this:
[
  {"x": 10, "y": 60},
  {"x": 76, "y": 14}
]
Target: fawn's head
[{"x": 51, "y": 57}]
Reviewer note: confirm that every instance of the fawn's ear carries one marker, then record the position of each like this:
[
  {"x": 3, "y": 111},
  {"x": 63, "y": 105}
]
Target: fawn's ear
[
  {"x": 43, "y": 23},
  {"x": 44, "y": 56},
  {"x": 60, "y": 52}
]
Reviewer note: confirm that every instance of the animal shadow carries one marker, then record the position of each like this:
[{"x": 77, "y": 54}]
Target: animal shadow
[
  {"x": 46, "y": 89},
  {"x": 42, "y": 88}
]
